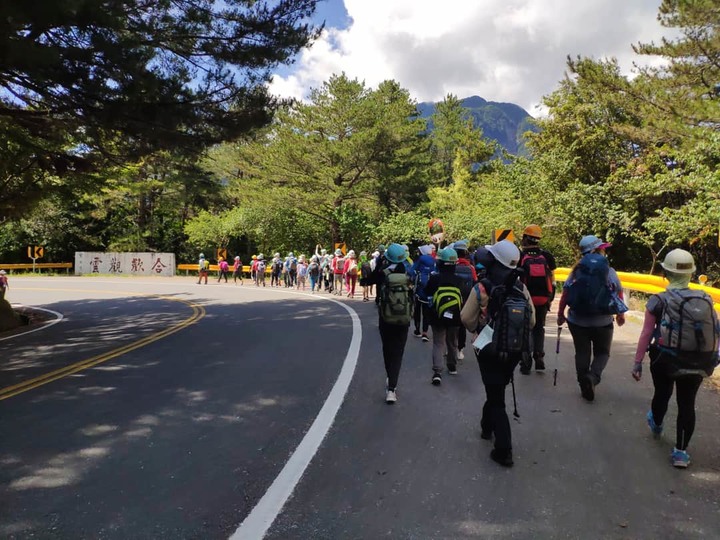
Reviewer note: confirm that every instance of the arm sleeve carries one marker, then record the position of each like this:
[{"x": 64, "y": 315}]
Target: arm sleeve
[
  {"x": 472, "y": 313},
  {"x": 645, "y": 335}
]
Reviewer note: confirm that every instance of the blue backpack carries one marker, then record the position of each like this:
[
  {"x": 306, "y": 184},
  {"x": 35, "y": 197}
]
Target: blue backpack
[
  {"x": 421, "y": 279},
  {"x": 590, "y": 292}
]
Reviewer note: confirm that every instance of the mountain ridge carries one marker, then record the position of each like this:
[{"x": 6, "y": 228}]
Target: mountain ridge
[{"x": 503, "y": 122}]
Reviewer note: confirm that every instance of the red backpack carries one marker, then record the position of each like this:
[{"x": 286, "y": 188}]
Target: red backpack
[{"x": 537, "y": 277}]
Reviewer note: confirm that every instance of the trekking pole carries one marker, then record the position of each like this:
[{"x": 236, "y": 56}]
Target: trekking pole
[
  {"x": 515, "y": 412},
  {"x": 557, "y": 355}
]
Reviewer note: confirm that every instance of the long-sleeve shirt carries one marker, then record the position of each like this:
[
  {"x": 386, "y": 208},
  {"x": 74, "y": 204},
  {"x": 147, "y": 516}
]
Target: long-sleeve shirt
[{"x": 474, "y": 312}]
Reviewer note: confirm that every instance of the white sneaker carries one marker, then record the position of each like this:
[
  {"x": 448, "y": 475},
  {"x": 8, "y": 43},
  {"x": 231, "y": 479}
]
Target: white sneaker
[
  {"x": 390, "y": 396},
  {"x": 460, "y": 355}
]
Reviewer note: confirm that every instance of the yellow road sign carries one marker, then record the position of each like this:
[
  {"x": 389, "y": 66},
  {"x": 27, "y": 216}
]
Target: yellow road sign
[
  {"x": 503, "y": 234},
  {"x": 221, "y": 252},
  {"x": 341, "y": 246},
  {"x": 35, "y": 252}
]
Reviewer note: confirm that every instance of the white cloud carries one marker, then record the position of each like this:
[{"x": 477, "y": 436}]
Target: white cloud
[{"x": 502, "y": 50}]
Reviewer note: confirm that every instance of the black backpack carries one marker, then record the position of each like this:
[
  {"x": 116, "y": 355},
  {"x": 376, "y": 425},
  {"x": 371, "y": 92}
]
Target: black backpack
[
  {"x": 465, "y": 273},
  {"x": 509, "y": 314},
  {"x": 537, "y": 277},
  {"x": 447, "y": 304}
]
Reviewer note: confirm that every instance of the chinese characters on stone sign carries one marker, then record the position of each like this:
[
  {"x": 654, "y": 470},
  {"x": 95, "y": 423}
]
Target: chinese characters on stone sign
[{"x": 139, "y": 264}]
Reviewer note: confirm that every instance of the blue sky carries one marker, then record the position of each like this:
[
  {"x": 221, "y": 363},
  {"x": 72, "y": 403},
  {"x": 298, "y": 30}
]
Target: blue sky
[
  {"x": 501, "y": 50},
  {"x": 333, "y": 12}
]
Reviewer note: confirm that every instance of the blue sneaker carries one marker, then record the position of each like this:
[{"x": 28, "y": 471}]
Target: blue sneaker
[
  {"x": 680, "y": 458},
  {"x": 657, "y": 430}
]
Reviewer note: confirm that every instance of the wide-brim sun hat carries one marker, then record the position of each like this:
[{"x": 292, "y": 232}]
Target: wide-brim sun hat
[{"x": 591, "y": 242}]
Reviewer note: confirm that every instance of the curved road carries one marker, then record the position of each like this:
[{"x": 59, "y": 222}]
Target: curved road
[{"x": 174, "y": 406}]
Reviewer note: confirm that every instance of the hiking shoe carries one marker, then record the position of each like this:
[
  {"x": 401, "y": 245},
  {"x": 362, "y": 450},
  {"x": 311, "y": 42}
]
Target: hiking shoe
[
  {"x": 390, "y": 396},
  {"x": 587, "y": 388},
  {"x": 452, "y": 370},
  {"x": 437, "y": 379},
  {"x": 680, "y": 458},
  {"x": 417, "y": 333},
  {"x": 503, "y": 457},
  {"x": 656, "y": 430},
  {"x": 424, "y": 337}
]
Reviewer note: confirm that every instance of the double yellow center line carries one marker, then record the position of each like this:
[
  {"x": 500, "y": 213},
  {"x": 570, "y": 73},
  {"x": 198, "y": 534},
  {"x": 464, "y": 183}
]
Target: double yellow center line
[{"x": 35, "y": 382}]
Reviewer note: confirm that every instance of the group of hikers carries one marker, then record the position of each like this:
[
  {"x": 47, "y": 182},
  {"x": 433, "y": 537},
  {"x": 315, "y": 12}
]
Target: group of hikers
[
  {"x": 498, "y": 297},
  {"x": 336, "y": 272}
]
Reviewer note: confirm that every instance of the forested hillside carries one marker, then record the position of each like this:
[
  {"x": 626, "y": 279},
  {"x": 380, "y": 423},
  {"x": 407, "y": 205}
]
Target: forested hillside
[
  {"x": 504, "y": 123},
  {"x": 632, "y": 160}
]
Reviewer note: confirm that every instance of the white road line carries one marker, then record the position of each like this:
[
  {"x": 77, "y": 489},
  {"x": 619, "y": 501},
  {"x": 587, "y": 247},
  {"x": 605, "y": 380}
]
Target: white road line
[
  {"x": 58, "y": 318},
  {"x": 261, "y": 517}
]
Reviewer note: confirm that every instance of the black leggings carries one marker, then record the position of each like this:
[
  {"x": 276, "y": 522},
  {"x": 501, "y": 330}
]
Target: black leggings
[
  {"x": 687, "y": 389},
  {"x": 422, "y": 311},
  {"x": 394, "y": 337}
]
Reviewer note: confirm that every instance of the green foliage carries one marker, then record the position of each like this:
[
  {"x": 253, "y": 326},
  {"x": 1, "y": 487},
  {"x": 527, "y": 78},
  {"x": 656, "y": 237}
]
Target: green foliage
[
  {"x": 634, "y": 161},
  {"x": 87, "y": 85},
  {"x": 403, "y": 228}
]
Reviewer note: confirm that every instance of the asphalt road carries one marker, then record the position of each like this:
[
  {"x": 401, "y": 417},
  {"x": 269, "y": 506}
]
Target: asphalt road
[{"x": 184, "y": 407}]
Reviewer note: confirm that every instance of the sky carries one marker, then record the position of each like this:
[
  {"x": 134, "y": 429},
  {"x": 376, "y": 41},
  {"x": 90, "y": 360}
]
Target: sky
[{"x": 502, "y": 50}]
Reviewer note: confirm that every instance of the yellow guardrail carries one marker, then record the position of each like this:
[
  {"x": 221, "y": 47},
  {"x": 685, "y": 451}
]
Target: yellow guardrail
[
  {"x": 38, "y": 266},
  {"x": 214, "y": 268},
  {"x": 647, "y": 284}
]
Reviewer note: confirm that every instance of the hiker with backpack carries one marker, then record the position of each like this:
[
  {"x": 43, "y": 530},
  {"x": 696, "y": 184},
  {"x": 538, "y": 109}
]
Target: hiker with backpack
[
  {"x": 350, "y": 270},
  {"x": 276, "y": 265},
  {"x": 253, "y": 269},
  {"x": 314, "y": 273},
  {"x": 538, "y": 266},
  {"x": 420, "y": 274},
  {"x": 445, "y": 289},
  {"x": 260, "y": 270},
  {"x": 203, "y": 269},
  {"x": 338, "y": 268},
  {"x": 394, "y": 301},
  {"x": 466, "y": 270},
  {"x": 365, "y": 271},
  {"x": 290, "y": 268},
  {"x": 4, "y": 284},
  {"x": 500, "y": 310},
  {"x": 237, "y": 270},
  {"x": 302, "y": 273},
  {"x": 594, "y": 294},
  {"x": 223, "y": 268},
  {"x": 680, "y": 334},
  {"x": 323, "y": 260}
]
